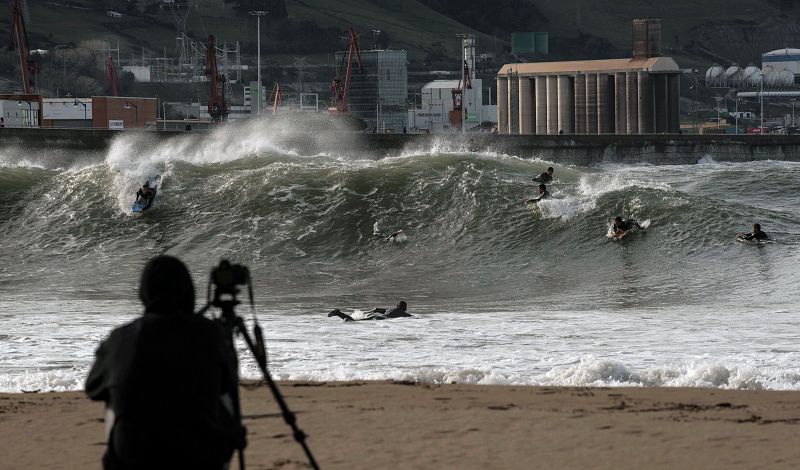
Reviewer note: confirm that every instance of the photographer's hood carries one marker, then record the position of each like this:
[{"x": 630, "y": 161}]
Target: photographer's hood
[{"x": 166, "y": 287}]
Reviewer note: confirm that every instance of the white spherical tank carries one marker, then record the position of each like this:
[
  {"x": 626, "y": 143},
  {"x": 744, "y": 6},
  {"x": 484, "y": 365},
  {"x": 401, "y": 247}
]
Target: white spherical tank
[
  {"x": 733, "y": 76},
  {"x": 785, "y": 79},
  {"x": 752, "y": 76},
  {"x": 770, "y": 77},
  {"x": 714, "y": 76}
]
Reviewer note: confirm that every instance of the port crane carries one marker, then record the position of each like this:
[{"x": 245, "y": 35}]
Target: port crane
[
  {"x": 28, "y": 64},
  {"x": 277, "y": 98},
  {"x": 457, "y": 115},
  {"x": 112, "y": 82},
  {"x": 217, "y": 107},
  {"x": 341, "y": 87}
]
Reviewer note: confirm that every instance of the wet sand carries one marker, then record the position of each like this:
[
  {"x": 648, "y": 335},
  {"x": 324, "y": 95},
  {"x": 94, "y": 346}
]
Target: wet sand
[{"x": 374, "y": 425}]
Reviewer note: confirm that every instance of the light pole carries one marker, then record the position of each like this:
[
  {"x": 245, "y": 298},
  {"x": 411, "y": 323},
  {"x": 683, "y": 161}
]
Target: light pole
[
  {"x": 719, "y": 99},
  {"x": 258, "y": 14},
  {"x": 793, "y": 100},
  {"x": 761, "y": 97},
  {"x": 129, "y": 105},
  {"x": 30, "y": 111},
  {"x": 736, "y": 114},
  {"x": 76, "y": 103}
]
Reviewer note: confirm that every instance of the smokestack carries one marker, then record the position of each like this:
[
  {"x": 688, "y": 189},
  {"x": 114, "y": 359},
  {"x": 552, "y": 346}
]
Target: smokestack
[{"x": 646, "y": 38}]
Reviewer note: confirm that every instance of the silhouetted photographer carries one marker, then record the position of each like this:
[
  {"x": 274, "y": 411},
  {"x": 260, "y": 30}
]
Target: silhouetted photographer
[
  {"x": 170, "y": 379},
  {"x": 167, "y": 381}
]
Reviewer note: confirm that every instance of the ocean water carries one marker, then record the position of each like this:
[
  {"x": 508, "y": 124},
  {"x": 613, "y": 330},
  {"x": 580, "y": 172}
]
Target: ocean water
[{"x": 501, "y": 293}]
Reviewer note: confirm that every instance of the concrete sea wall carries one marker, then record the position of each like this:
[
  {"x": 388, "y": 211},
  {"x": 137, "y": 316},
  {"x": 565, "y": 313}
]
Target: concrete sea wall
[{"x": 567, "y": 149}]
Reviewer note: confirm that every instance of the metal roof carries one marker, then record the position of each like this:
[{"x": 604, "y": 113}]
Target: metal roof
[
  {"x": 785, "y": 51},
  {"x": 653, "y": 64}
]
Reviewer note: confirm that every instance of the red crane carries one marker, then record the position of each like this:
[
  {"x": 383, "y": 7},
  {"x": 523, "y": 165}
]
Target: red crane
[
  {"x": 111, "y": 77},
  {"x": 28, "y": 65},
  {"x": 217, "y": 107},
  {"x": 458, "y": 97},
  {"x": 277, "y": 98},
  {"x": 340, "y": 88}
]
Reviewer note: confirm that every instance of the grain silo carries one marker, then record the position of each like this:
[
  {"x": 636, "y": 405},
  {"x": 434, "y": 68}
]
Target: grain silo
[{"x": 635, "y": 95}]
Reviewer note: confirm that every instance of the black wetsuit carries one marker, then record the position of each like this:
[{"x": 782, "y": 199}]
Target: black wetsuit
[
  {"x": 142, "y": 194},
  {"x": 759, "y": 235},
  {"x": 544, "y": 178},
  {"x": 375, "y": 314},
  {"x": 626, "y": 225},
  {"x": 164, "y": 375}
]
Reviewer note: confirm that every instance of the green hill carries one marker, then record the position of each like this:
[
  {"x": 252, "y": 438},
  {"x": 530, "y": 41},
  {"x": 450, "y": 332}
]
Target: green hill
[{"x": 697, "y": 34}]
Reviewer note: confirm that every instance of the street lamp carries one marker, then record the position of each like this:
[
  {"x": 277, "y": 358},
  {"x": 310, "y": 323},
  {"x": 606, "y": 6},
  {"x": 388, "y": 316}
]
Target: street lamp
[
  {"x": 793, "y": 100},
  {"x": 30, "y": 111},
  {"x": 129, "y": 105},
  {"x": 258, "y": 14},
  {"x": 719, "y": 99},
  {"x": 76, "y": 103}
]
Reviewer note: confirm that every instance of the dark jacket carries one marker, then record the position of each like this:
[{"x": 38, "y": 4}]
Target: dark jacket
[{"x": 163, "y": 375}]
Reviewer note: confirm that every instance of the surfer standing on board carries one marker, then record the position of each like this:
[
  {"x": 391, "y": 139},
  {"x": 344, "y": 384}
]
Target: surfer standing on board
[
  {"x": 756, "y": 234},
  {"x": 543, "y": 194}
]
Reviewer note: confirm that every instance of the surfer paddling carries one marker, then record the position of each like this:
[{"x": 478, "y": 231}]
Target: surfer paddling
[
  {"x": 545, "y": 177},
  {"x": 620, "y": 227},
  {"x": 376, "y": 313},
  {"x": 757, "y": 234},
  {"x": 543, "y": 194}
]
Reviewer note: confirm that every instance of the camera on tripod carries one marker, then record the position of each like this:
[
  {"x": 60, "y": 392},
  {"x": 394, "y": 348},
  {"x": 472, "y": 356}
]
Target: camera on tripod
[{"x": 227, "y": 276}]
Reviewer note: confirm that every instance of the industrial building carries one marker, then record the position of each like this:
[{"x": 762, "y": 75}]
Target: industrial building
[
  {"x": 638, "y": 95},
  {"x": 67, "y": 112},
  {"x": 378, "y": 92},
  {"x": 437, "y": 100}
]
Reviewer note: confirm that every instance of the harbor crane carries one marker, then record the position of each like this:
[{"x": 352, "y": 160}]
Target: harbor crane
[
  {"x": 457, "y": 115},
  {"x": 112, "y": 82},
  {"x": 217, "y": 107},
  {"x": 341, "y": 87},
  {"x": 28, "y": 64},
  {"x": 277, "y": 98}
]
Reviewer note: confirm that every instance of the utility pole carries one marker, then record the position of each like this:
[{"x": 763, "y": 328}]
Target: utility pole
[{"x": 258, "y": 14}]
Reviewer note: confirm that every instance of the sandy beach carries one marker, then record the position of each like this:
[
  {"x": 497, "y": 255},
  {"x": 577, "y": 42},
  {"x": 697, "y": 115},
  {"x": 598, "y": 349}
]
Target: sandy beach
[{"x": 370, "y": 425}]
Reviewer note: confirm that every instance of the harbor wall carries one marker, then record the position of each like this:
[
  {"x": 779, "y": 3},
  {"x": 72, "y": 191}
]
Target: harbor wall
[{"x": 567, "y": 149}]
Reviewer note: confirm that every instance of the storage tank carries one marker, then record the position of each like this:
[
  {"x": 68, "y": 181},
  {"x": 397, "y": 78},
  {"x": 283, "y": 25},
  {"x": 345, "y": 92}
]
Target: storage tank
[
  {"x": 770, "y": 77},
  {"x": 752, "y": 76},
  {"x": 733, "y": 76},
  {"x": 785, "y": 79},
  {"x": 714, "y": 76}
]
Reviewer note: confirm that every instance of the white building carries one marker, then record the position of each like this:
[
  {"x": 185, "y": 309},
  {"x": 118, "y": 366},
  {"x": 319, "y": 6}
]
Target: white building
[
  {"x": 782, "y": 59},
  {"x": 16, "y": 113},
  {"x": 140, "y": 73},
  {"x": 437, "y": 102},
  {"x": 67, "y": 112}
]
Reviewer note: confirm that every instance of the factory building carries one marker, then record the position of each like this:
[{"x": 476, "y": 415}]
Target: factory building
[
  {"x": 379, "y": 91},
  {"x": 438, "y": 100},
  {"x": 639, "y": 95},
  {"x": 782, "y": 60}
]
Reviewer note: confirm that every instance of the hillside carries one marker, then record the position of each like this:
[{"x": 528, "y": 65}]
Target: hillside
[
  {"x": 735, "y": 29},
  {"x": 696, "y": 34}
]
